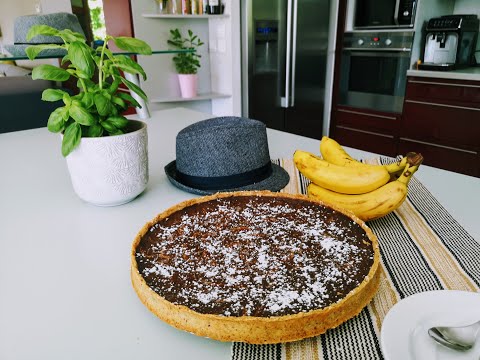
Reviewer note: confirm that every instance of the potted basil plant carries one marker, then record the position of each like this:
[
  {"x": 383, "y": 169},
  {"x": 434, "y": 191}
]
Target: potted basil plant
[
  {"x": 106, "y": 153},
  {"x": 186, "y": 63}
]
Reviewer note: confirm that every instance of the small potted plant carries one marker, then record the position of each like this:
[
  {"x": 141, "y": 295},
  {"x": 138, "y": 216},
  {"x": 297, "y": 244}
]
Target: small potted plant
[
  {"x": 186, "y": 63},
  {"x": 106, "y": 153}
]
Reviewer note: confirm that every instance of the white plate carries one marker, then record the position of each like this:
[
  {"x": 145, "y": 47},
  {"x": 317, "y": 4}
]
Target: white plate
[{"x": 404, "y": 330}]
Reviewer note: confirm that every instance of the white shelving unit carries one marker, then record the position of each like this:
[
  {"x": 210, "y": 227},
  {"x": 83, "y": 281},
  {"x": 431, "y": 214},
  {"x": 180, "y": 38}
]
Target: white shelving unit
[{"x": 219, "y": 82}]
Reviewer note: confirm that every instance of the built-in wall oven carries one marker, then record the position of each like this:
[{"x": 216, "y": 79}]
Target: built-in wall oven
[
  {"x": 374, "y": 70},
  {"x": 387, "y": 14}
]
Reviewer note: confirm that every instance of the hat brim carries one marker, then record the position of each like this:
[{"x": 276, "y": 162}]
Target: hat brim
[
  {"x": 278, "y": 179},
  {"x": 19, "y": 50}
]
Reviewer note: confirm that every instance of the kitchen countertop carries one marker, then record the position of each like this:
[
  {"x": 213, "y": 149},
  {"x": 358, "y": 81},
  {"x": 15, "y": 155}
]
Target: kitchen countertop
[
  {"x": 471, "y": 73},
  {"x": 65, "y": 290}
]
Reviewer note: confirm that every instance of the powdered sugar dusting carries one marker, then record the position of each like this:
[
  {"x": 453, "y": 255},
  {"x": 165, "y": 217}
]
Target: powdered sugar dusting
[{"x": 255, "y": 256}]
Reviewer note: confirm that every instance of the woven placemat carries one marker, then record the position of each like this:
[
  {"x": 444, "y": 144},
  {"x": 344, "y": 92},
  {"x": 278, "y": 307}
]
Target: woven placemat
[{"x": 422, "y": 248}]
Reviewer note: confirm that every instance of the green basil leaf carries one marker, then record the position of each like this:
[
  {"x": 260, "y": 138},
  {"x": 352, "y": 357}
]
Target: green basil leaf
[
  {"x": 113, "y": 88},
  {"x": 87, "y": 100},
  {"x": 102, "y": 104},
  {"x": 50, "y": 72},
  {"x": 118, "y": 121},
  {"x": 81, "y": 57},
  {"x": 95, "y": 130},
  {"x": 41, "y": 30},
  {"x": 65, "y": 59},
  {"x": 133, "y": 45},
  {"x": 115, "y": 132},
  {"x": 127, "y": 97},
  {"x": 66, "y": 99},
  {"x": 88, "y": 83},
  {"x": 33, "y": 50},
  {"x": 81, "y": 115},
  {"x": 71, "y": 138},
  {"x": 81, "y": 74},
  {"x": 107, "y": 94},
  {"x": 115, "y": 72},
  {"x": 109, "y": 126},
  {"x": 108, "y": 54},
  {"x": 52, "y": 94},
  {"x": 70, "y": 36},
  {"x": 66, "y": 115},
  {"x": 56, "y": 121},
  {"x": 128, "y": 65},
  {"x": 134, "y": 88},
  {"x": 119, "y": 101}
]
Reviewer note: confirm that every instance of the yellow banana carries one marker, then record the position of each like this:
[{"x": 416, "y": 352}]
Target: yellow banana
[
  {"x": 334, "y": 153},
  {"x": 374, "y": 204},
  {"x": 342, "y": 179}
]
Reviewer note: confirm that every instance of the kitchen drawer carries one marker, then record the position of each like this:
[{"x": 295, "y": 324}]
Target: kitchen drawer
[
  {"x": 444, "y": 91},
  {"x": 458, "y": 160},
  {"x": 384, "y": 123},
  {"x": 365, "y": 140},
  {"x": 442, "y": 124}
]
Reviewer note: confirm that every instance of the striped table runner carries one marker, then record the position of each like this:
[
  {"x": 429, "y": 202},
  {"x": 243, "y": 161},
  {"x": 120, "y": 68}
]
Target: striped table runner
[{"x": 422, "y": 248}]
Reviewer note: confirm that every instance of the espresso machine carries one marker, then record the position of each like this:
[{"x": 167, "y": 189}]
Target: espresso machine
[{"x": 450, "y": 42}]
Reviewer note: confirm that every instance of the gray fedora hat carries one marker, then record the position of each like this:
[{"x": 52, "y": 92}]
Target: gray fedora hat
[
  {"x": 58, "y": 21},
  {"x": 224, "y": 154}
]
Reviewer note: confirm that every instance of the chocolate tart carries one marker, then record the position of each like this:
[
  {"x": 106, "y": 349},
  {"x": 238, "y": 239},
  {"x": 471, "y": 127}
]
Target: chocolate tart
[{"x": 255, "y": 267}]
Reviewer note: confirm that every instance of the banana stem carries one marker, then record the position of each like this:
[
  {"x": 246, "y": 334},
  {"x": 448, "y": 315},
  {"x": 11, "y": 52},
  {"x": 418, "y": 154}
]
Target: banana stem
[
  {"x": 413, "y": 163},
  {"x": 414, "y": 159}
]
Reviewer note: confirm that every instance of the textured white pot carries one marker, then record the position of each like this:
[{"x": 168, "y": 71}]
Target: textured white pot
[
  {"x": 111, "y": 170},
  {"x": 188, "y": 85}
]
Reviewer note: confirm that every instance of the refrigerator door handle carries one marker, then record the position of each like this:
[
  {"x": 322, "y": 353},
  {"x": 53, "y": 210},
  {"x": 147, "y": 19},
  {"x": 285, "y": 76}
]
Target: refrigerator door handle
[
  {"x": 285, "y": 101},
  {"x": 294, "y": 53},
  {"x": 397, "y": 12}
]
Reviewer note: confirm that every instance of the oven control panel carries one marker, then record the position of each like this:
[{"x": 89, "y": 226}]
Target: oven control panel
[{"x": 378, "y": 40}]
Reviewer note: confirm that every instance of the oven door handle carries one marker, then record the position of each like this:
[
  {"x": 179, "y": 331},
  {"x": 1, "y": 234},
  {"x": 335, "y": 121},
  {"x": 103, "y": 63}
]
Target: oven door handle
[
  {"x": 378, "y": 50},
  {"x": 397, "y": 11}
]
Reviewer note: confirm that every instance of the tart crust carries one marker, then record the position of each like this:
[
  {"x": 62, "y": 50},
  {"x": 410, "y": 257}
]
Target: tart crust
[{"x": 253, "y": 329}]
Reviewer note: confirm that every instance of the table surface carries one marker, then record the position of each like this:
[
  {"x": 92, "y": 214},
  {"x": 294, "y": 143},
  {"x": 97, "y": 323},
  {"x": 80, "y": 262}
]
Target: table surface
[{"x": 65, "y": 290}]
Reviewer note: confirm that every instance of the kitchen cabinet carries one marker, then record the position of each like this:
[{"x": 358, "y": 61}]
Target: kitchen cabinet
[
  {"x": 367, "y": 130},
  {"x": 441, "y": 119}
]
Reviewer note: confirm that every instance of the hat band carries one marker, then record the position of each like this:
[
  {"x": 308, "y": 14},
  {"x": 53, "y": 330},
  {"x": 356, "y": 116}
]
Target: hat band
[{"x": 226, "y": 182}]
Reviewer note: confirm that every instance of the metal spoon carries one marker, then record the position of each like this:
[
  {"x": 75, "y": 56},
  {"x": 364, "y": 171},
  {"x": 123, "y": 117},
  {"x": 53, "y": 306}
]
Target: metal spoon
[{"x": 456, "y": 337}]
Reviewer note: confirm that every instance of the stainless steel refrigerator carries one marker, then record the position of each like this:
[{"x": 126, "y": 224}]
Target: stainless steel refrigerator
[{"x": 284, "y": 61}]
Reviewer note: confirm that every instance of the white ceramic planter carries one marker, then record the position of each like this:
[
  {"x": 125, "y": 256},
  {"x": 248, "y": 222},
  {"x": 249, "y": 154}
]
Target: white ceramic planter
[
  {"x": 111, "y": 170},
  {"x": 188, "y": 85}
]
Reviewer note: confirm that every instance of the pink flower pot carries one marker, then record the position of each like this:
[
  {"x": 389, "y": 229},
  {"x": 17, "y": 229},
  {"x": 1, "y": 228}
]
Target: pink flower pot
[{"x": 188, "y": 85}]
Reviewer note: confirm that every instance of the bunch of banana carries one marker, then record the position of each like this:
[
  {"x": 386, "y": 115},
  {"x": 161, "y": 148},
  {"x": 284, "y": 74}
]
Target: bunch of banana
[
  {"x": 334, "y": 153},
  {"x": 343, "y": 179},
  {"x": 364, "y": 189}
]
